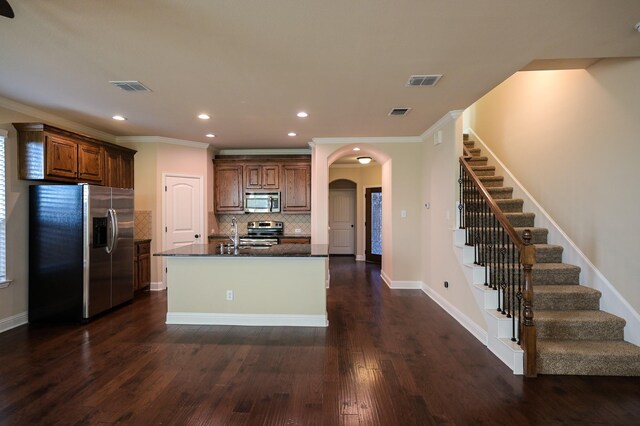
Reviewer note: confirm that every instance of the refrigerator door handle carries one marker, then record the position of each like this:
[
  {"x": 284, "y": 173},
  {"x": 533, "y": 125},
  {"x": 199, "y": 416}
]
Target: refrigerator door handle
[{"x": 113, "y": 219}]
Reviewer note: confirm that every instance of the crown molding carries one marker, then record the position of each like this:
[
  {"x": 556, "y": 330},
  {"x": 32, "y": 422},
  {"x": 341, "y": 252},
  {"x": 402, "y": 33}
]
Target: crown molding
[
  {"x": 161, "y": 139},
  {"x": 450, "y": 116},
  {"x": 276, "y": 151},
  {"x": 367, "y": 140},
  {"x": 56, "y": 121}
]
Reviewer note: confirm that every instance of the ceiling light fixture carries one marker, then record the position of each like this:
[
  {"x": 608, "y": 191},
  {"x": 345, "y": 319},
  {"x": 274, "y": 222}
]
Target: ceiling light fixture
[
  {"x": 210, "y": 135},
  {"x": 119, "y": 118},
  {"x": 204, "y": 116},
  {"x": 302, "y": 114},
  {"x": 356, "y": 149},
  {"x": 364, "y": 160},
  {"x": 291, "y": 134}
]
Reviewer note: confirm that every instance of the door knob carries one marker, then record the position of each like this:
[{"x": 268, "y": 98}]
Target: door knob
[
  {"x": 352, "y": 226},
  {"x": 197, "y": 235}
]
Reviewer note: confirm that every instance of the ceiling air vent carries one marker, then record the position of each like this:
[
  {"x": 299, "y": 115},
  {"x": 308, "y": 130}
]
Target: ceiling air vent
[
  {"x": 131, "y": 86},
  {"x": 399, "y": 111},
  {"x": 423, "y": 80}
]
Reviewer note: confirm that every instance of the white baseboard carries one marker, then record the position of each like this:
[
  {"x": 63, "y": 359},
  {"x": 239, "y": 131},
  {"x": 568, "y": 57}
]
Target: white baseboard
[
  {"x": 269, "y": 320},
  {"x": 473, "y": 328},
  {"x": 360, "y": 258},
  {"x": 14, "y": 321},
  {"x": 157, "y": 286},
  {"x": 590, "y": 276},
  {"x": 400, "y": 285}
]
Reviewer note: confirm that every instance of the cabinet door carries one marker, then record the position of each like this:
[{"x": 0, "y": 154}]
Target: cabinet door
[
  {"x": 296, "y": 196},
  {"x": 90, "y": 163},
  {"x": 228, "y": 195},
  {"x": 136, "y": 273},
  {"x": 285, "y": 240},
  {"x": 126, "y": 170},
  {"x": 144, "y": 267},
  {"x": 112, "y": 170},
  {"x": 252, "y": 176},
  {"x": 271, "y": 176},
  {"x": 62, "y": 157}
]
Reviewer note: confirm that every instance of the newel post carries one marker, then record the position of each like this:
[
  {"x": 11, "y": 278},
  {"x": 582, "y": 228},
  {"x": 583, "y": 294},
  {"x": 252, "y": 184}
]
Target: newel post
[{"x": 528, "y": 328}]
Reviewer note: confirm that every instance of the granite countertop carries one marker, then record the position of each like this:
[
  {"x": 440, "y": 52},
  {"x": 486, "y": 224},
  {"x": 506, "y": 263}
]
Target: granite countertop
[{"x": 278, "y": 250}]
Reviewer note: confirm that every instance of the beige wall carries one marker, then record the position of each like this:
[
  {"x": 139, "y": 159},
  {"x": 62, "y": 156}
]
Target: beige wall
[
  {"x": 364, "y": 177},
  {"x": 152, "y": 160},
  {"x": 571, "y": 139},
  {"x": 439, "y": 190}
]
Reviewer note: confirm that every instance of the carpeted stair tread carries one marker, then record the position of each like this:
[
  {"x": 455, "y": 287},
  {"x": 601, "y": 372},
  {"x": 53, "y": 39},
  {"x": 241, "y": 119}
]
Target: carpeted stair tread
[
  {"x": 521, "y": 219},
  {"x": 484, "y": 170},
  {"x": 539, "y": 235},
  {"x": 475, "y": 152},
  {"x": 588, "y": 357},
  {"x": 478, "y": 161},
  {"x": 565, "y": 298},
  {"x": 578, "y": 325},
  {"x": 491, "y": 181},
  {"x": 555, "y": 273},
  {"x": 548, "y": 253},
  {"x": 510, "y": 205},
  {"x": 500, "y": 192}
]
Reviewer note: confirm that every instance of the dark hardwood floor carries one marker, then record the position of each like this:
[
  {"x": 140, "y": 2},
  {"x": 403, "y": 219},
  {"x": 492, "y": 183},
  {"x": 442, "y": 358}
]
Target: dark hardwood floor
[{"x": 387, "y": 358}]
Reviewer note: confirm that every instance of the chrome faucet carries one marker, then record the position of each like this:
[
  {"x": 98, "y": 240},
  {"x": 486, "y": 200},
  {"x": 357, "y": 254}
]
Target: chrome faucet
[{"x": 234, "y": 233}]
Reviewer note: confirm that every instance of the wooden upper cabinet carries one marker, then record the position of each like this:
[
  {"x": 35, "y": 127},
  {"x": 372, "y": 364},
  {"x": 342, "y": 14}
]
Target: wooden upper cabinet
[
  {"x": 90, "y": 163},
  {"x": 62, "y": 157},
  {"x": 296, "y": 194},
  {"x": 51, "y": 154},
  {"x": 118, "y": 168},
  {"x": 228, "y": 189},
  {"x": 262, "y": 176}
]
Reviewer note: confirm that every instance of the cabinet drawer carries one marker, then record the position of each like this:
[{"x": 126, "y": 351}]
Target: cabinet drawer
[{"x": 143, "y": 248}]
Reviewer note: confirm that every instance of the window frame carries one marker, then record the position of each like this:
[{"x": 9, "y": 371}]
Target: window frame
[{"x": 4, "y": 281}]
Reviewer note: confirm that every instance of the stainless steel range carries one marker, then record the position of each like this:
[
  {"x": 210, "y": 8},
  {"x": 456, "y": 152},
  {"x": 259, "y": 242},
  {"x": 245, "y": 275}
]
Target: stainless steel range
[{"x": 263, "y": 232}]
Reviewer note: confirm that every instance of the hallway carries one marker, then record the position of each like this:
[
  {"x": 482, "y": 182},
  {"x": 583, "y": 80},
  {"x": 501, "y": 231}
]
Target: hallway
[{"x": 387, "y": 358}]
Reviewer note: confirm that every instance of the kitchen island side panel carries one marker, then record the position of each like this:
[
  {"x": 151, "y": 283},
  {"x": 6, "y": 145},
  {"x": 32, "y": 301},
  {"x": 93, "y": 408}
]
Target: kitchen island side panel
[{"x": 265, "y": 290}]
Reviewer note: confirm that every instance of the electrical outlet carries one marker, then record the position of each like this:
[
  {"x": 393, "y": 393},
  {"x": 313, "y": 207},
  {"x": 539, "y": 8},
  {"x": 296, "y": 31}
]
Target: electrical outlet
[
  {"x": 229, "y": 294},
  {"x": 297, "y": 230}
]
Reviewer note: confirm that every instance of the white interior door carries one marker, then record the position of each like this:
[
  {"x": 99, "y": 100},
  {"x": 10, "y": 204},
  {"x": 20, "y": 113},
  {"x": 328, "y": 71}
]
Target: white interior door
[
  {"x": 183, "y": 212},
  {"x": 342, "y": 217}
]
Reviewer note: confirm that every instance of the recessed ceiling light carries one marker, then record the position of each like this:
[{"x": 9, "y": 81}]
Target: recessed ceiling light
[
  {"x": 356, "y": 149},
  {"x": 119, "y": 117},
  {"x": 302, "y": 114},
  {"x": 210, "y": 135},
  {"x": 291, "y": 134},
  {"x": 204, "y": 116}
]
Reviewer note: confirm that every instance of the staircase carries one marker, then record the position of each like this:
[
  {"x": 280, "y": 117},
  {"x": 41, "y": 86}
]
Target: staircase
[{"x": 573, "y": 335}]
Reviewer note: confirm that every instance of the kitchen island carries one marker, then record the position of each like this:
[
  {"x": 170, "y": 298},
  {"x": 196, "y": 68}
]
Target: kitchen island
[{"x": 281, "y": 285}]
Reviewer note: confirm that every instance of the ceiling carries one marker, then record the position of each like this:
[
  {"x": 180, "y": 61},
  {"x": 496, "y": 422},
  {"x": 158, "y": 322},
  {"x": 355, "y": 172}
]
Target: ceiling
[{"x": 252, "y": 64}]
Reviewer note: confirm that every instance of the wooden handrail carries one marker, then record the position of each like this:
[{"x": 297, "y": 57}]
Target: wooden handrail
[{"x": 527, "y": 260}]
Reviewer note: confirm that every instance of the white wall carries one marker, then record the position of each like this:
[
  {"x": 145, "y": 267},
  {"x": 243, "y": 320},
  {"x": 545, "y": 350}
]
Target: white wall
[{"x": 571, "y": 139}]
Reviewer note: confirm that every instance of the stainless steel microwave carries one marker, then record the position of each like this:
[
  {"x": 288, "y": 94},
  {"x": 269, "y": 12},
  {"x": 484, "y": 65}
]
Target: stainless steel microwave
[{"x": 262, "y": 202}]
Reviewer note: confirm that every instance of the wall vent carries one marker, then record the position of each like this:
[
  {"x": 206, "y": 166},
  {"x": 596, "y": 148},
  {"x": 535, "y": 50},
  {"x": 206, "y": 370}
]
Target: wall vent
[
  {"x": 131, "y": 86},
  {"x": 399, "y": 111},
  {"x": 423, "y": 80}
]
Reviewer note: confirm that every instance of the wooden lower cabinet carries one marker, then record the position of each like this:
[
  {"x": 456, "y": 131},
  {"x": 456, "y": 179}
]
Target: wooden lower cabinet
[{"x": 142, "y": 265}]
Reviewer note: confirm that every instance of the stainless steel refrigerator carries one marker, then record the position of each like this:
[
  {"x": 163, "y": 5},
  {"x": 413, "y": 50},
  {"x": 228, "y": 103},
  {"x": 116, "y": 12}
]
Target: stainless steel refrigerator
[{"x": 80, "y": 250}]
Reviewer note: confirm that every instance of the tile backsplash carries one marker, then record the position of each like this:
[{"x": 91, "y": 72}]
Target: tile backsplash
[
  {"x": 142, "y": 225},
  {"x": 291, "y": 222}
]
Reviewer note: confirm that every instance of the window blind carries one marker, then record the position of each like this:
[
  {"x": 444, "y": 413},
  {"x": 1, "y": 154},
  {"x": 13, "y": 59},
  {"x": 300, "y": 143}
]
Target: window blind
[{"x": 3, "y": 233}]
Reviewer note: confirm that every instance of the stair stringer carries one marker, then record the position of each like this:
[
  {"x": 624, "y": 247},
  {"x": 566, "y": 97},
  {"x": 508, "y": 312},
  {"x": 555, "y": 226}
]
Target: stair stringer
[
  {"x": 611, "y": 300},
  {"x": 498, "y": 339}
]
